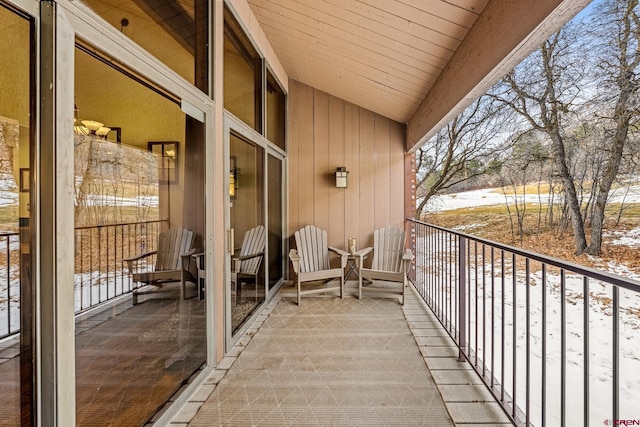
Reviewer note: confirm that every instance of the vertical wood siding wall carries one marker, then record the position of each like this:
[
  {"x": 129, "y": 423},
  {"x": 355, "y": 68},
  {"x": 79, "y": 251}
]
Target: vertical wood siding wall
[{"x": 326, "y": 132}]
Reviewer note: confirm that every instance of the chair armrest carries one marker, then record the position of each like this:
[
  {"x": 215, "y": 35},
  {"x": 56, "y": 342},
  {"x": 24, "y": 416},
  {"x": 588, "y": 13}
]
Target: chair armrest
[
  {"x": 344, "y": 255},
  {"x": 295, "y": 260},
  {"x": 361, "y": 255},
  {"x": 244, "y": 257},
  {"x": 188, "y": 253},
  {"x": 133, "y": 259},
  {"x": 186, "y": 258},
  {"x": 199, "y": 257},
  {"x": 407, "y": 257},
  {"x": 140, "y": 256}
]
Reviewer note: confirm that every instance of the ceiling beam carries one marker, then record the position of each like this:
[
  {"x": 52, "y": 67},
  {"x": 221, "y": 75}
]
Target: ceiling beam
[{"x": 504, "y": 34}]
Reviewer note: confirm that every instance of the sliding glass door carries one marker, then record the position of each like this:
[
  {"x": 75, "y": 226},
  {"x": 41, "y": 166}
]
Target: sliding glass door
[{"x": 246, "y": 246}]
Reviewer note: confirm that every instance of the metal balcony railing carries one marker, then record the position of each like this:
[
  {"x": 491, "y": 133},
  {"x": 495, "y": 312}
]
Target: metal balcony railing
[
  {"x": 99, "y": 271},
  {"x": 99, "y": 253},
  {"x": 554, "y": 342}
]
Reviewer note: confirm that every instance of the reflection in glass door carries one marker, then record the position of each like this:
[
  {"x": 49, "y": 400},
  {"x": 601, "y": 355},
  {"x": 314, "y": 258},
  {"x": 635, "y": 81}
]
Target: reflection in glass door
[
  {"x": 274, "y": 211},
  {"x": 16, "y": 291},
  {"x": 247, "y": 236}
]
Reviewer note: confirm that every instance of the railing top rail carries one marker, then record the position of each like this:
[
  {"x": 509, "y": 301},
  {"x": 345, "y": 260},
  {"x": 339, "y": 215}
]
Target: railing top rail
[
  {"x": 121, "y": 224},
  {"x": 630, "y": 284},
  {"x": 9, "y": 234}
]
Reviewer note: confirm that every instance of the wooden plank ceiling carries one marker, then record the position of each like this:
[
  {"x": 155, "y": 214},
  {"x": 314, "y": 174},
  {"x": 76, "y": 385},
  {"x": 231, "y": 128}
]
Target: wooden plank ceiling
[{"x": 383, "y": 55}]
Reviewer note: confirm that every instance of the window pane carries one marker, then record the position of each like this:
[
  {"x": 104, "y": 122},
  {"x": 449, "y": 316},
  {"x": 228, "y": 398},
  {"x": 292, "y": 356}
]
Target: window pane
[
  {"x": 242, "y": 75},
  {"x": 247, "y": 219},
  {"x": 131, "y": 191},
  {"x": 16, "y": 292},
  {"x": 276, "y": 112},
  {"x": 175, "y": 32},
  {"x": 275, "y": 221}
]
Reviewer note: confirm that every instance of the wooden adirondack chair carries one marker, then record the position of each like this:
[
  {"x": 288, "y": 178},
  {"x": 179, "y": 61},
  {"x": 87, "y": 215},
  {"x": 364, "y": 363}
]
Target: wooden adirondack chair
[
  {"x": 389, "y": 265},
  {"x": 172, "y": 262},
  {"x": 246, "y": 265},
  {"x": 311, "y": 261}
]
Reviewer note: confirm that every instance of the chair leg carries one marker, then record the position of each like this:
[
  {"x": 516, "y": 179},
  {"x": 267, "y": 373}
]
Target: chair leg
[
  {"x": 298, "y": 290},
  {"x": 342, "y": 285},
  {"x": 134, "y": 298},
  {"x": 183, "y": 286},
  {"x": 359, "y": 286}
]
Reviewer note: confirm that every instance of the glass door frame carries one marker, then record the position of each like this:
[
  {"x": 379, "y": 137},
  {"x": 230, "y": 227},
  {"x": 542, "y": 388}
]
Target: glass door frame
[
  {"x": 233, "y": 125},
  {"x": 30, "y": 11},
  {"x": 67, "y": 22}
]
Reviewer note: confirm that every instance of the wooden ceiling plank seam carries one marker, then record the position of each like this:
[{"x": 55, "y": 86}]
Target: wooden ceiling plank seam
[
  {"x": 393, "y": 109},
  {"x": 397, "y": 55},
  {"x": 445, "y": 10},
  {"x": 425, "y": 33},
  {"x": 419, "y": 84},
  {"x": 296, "y": 18},
  {"x": 423, "y": 16},
  {"x": 472, "y": 5},
  {"x": 282, "y": 41},
  {"x": 371, "y": 44},
  {"x": 385, "y": 106}
]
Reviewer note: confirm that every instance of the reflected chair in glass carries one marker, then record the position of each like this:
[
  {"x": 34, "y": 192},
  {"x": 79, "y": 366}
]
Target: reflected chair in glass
[
  {"x": 246, "y": 264},
  {"x": 173, "y": 258}
]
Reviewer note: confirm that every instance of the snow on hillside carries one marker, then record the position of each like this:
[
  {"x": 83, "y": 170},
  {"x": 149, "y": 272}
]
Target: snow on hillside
[{"x": 494, "y": 196}]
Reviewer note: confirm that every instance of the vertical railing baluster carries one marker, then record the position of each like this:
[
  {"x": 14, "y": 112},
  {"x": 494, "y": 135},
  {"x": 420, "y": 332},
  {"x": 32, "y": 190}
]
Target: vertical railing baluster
[
  {"x": 493, "y": 315},
  {"x": 514, "y": 335},
  {"x": 616, "y": 355},
  {"x": 484, "y": 311},
  {"x": 544, "y": 346},
  {"x": 475, "y": 297},
  {"x": 563, "y": 348},
  {"x": 502, "y": 327},
  {"x": 462, "y": 285},
  {"x": 8, "y": 252},
  {"x": 528, "y": 341},
  {"x": 585, "y": 290}
]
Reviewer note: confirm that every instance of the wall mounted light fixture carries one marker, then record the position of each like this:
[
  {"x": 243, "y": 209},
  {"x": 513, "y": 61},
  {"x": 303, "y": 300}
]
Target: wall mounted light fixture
[{"x": 341, "y": 177}]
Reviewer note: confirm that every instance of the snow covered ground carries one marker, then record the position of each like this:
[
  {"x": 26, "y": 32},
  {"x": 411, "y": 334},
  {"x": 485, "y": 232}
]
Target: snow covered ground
[
  {"x": 493, "y": 196},
  {"x": 599, "y": 330}
]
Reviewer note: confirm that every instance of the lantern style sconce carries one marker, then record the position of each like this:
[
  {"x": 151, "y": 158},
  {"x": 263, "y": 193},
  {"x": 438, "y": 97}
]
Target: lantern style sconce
[
  {"x": 341, "y": 177},
  {"x": 233, "y": 178}
]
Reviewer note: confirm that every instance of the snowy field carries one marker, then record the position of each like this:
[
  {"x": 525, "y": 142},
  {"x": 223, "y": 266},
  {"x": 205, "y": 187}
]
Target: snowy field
[
  {"x": 493, "y": 196},
  {"x": 599, "y": 331}
]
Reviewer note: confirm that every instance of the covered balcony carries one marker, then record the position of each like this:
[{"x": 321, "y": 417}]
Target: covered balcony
[{"x": 243, "y": 113}]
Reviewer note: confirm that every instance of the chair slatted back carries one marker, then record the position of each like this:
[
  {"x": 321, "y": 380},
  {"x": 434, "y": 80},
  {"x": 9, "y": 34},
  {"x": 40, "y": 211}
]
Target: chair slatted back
[
  {"x": 171, "y": 244},
  {"x": 254, "y": 242},
  {"x": 311, "y": 243},
  {"x": 388, "y": 248}
]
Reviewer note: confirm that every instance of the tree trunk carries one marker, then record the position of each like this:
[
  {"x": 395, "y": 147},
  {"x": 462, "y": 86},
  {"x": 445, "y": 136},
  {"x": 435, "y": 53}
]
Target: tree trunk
[{"x": 571, "y": 196}]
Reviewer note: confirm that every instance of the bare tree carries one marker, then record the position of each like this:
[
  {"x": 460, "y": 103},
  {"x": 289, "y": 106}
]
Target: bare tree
[
  {"x": 464, "y": 149},
  {"x": 550, "y": 85},
  {"x": 616, "y": 33}
]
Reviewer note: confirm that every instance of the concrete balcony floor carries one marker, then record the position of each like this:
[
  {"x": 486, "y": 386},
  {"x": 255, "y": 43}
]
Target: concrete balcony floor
[{"x": 342, "y": 362}]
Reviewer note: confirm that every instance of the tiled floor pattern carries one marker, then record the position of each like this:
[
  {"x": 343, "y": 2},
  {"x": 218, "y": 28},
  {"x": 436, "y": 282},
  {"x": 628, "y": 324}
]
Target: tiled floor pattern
[{"x": 342, "y": 362}]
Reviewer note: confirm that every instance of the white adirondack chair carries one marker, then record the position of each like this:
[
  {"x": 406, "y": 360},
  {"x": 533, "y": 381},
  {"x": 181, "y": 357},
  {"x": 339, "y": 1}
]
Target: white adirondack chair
[
  {"x": 172, "y": 262},
  {"x": 389, "y": 265},
  {"x": 311, "y": 261},
  {"x": 246, "y": 265}
]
